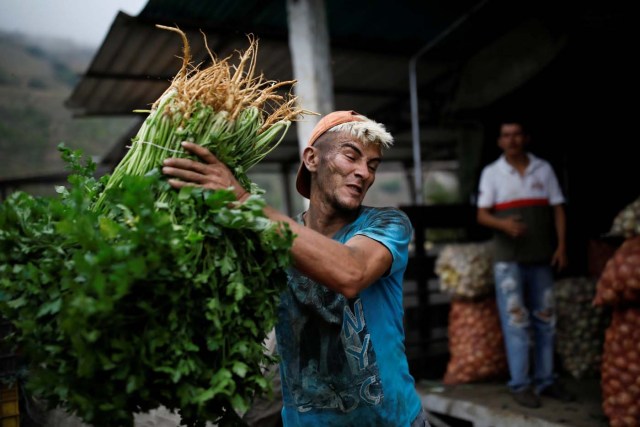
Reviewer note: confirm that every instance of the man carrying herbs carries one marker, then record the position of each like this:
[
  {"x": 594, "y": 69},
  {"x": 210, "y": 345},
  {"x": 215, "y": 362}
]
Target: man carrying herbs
[{"x": 339, "y": 332}]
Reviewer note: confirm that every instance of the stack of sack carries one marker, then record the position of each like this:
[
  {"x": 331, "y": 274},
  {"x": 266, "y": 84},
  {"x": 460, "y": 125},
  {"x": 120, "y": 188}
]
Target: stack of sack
[
  {"x": 619, "y": 288},
  {"x": 476, "y": 343},
  {"x": 580, "y": 327}
]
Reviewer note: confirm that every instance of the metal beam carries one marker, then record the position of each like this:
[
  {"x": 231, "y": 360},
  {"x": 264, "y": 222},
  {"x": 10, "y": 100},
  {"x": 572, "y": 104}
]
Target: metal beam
[
  {"x": 311, "y": 59},
  {"x": 413, "y": 88}
]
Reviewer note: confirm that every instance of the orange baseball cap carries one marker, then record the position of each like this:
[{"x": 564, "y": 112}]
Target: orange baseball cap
[{"x": 303, "y": 179}]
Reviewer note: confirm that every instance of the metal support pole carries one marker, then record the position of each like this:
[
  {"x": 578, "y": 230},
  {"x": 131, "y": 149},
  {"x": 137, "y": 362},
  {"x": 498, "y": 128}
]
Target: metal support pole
[{"x": 413, "y": 91}]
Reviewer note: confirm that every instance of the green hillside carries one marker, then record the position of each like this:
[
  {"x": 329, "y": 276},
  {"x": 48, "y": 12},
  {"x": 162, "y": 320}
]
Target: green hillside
[{"x": 36, "y": 77}]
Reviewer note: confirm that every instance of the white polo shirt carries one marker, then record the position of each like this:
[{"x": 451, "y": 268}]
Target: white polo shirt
[{"x": 528, "y": 197}]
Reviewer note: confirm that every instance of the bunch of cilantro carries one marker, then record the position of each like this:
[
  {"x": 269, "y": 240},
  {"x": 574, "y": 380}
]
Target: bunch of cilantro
[{"x": 143, "y": 303}]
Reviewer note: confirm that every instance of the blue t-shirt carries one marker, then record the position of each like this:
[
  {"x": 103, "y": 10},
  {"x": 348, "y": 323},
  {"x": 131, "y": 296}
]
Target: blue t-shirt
[{"x": 343, "y": 361}]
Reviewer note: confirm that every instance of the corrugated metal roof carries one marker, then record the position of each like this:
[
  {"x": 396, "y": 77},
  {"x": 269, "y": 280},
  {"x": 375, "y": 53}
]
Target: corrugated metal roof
[{"x": 371, "y": 44}]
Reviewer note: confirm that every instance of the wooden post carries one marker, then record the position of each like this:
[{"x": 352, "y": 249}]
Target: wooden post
[{"x": 309, "y": 45}]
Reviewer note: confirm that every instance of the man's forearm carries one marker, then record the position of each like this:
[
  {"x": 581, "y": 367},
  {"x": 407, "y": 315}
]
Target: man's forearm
[
  {"x": 561, "y": 225},
  {"x": 345, "y": 268},
  {"x": 486, "y": 218}
]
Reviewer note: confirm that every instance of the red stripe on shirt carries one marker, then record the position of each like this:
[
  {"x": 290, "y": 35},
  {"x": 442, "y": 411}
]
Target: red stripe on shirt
[{"x": 521, "y": 203}]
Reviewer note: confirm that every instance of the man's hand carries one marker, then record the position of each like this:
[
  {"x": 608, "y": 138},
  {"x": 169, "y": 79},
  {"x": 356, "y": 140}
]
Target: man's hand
[
  {"x": 211, "y": 173},
  {"x": 559, "y": 259},
  {"x": 513, "y": 226}
]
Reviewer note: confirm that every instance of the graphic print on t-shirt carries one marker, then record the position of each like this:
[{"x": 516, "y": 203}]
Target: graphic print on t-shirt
[{"x": 331, "y": 362}]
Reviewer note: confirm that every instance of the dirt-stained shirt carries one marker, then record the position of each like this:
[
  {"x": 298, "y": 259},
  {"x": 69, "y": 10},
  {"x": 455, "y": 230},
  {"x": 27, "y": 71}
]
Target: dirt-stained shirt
[{"x": 343, "y": 361}]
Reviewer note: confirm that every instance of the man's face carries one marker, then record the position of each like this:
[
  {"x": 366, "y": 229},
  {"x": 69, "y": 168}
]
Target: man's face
[
  {"x": 346, "y": 170},
  {"x": 512, "y": 139}
]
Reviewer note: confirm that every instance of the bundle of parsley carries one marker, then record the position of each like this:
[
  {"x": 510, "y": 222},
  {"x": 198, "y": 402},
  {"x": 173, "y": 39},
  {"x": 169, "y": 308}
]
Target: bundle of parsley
[{"x": 126, "y": 294}]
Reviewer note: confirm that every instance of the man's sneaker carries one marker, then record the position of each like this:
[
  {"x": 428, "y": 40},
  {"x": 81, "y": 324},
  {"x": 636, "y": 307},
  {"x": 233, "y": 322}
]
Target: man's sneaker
[
  {"x": 557, "y": 391},
  {"x": 526, "y": 397}
]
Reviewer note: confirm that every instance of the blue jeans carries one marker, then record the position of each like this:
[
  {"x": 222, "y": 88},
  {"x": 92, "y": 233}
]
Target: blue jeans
[
  {"x": 524, "y": 296},
  {"x": 421, "y": 420}
]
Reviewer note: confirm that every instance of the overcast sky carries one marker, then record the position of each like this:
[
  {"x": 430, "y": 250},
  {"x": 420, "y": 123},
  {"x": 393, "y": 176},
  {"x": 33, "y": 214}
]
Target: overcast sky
[{"x": 86, "y": 22}]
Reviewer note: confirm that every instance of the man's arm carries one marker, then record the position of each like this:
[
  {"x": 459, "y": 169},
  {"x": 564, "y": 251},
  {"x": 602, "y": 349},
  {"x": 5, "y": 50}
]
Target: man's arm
[
  {"x": 560, "y": 256},
  {"x": 511, "y": 225},
  {"x": 344, "y": 268},
  {"x": 556, "y": 199}
]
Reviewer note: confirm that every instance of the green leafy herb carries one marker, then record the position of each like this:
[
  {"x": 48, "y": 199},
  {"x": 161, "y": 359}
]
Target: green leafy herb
[
  {"x": 126, "y": 294},
  {"x": 117, "y": 313}
]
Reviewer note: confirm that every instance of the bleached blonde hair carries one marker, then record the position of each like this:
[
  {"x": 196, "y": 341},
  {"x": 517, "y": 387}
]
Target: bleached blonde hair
[{"x": 366, "y": 131}]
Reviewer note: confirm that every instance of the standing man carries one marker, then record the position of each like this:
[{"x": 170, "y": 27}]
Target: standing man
[
  {"x": 340, "y": 333},
  {"x": 521, "y": 200}
]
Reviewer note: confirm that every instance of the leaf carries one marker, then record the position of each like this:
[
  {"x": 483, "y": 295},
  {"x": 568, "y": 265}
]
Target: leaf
[
  {"x": 50, "y": 307},
  {"x": 17, "y": 303},
  {"x": 221, "y": 382},
  {"x": 132, "y": 384},
  {"x": 240, "y": 369},
  {"x": 204, "y": 396},
  {"x": 239, "y": 403},
  {"x": 92, "y": 336},
  {"x": 109, "y": 228},
  {"x": 226, "y": 265},
  {"x": 185, "y": 193}
]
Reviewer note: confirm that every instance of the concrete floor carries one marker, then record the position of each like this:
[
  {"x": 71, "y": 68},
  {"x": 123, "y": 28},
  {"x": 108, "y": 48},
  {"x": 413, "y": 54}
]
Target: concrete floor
[
  {"x": 491, "y": 405},
  {"x": 482, "y": 404},
  {"x": 160, "y": 417}
]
